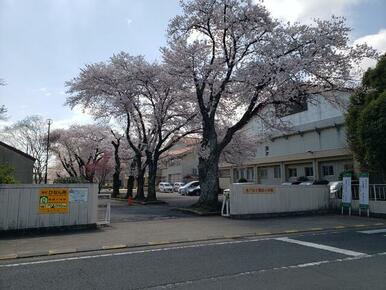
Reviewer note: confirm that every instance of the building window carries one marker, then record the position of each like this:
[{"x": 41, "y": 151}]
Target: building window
[
  {"x": 328, "y": 170},
  {"x": 277, "y": 172},
  {"x": 236, "y": 176},
  {"x": 266, "y": 150},
  {"x": 195, "y": 171},
  {"x": 225, "y": 173},
  {"x": 250, "y": 174},
  {"x": 309, "y": 171},
  {"x": 292, "y": 172},
  {"x": 263, "y": 173}
]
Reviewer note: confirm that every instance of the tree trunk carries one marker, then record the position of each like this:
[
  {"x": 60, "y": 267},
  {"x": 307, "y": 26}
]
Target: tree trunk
[
  {"x": 117, "y": 167},
  {"x": 208, "y": 169},
  {"x": 140, "y": 179},
  {"x": 130, "y": 186},
  {"x": 140, "y": 186},
  {"x": 116, "y": 184},
  {"x": 131, "y": 179},
  {"x": 209, "y": 184},
  {"x": 152, "y": 191}
]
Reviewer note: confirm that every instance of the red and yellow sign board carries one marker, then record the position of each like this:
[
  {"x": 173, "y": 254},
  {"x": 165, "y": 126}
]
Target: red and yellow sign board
[
  {"x": 53, "y": 200},
  {"x": 258, "y": 189}
]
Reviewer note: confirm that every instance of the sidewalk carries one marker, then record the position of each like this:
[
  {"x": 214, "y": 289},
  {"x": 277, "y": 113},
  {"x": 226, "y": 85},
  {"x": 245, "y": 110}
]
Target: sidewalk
[{"x": 144, "y": 233}]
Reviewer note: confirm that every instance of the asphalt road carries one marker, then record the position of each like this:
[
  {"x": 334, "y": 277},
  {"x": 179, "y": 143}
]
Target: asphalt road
[{"x": 321, "y": 260}]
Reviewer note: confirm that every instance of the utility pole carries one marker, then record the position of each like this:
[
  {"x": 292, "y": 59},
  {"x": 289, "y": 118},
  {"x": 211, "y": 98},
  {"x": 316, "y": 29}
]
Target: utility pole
[{"x": 49, "y": 121}]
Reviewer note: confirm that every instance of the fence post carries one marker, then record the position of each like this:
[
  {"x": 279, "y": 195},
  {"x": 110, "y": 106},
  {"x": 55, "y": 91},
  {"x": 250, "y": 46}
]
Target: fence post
[{"x": 375, "y": 192}]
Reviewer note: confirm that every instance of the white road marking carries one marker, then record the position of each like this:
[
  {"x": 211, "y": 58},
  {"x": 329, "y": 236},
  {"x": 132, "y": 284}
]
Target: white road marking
[
  {"x": 321, "y": 247},
  {"x": 369, "y": 232},
  {"x": 130, "y": 253},
  {"x": 250, "y": 273}
]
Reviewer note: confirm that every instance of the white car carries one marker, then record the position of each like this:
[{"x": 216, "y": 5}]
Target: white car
[
  {"x": 335, "y": 187},
  {"x": 165, "y": 187},
  {"x": 177, "y": 185},
  {"x": 189, "y": 188}
]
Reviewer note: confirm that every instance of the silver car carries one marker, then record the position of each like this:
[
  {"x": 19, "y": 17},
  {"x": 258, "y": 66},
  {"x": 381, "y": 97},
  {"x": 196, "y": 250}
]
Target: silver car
[
  {"x": 165, "y": 187},
  {"x": 177, "y": 185},
  {"x": 188, "y": 188}
]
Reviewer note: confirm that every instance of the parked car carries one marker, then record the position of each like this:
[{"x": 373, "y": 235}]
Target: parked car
[
  {"x": 177, "y": 185},
  {"x": 195, "y": 191},
  {"x": 165, "y": 187},
  {"x": 335, "y": 187},
  {"x": 189, "y": 188},
  {"x": 306, "y": 183}
]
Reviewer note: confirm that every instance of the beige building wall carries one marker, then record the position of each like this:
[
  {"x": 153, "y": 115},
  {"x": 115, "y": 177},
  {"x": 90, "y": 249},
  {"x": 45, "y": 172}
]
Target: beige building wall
[{"x": 315, "y": 147}]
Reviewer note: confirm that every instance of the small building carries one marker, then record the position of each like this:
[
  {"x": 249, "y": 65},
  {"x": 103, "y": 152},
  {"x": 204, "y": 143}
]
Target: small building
[
  {"x": 180, "y": 163},
  {"x": 21, "y": 162},
  {"x": 314, "y": 149}
]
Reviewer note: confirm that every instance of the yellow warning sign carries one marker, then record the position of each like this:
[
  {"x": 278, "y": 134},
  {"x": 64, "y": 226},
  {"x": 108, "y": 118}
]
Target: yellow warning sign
[{"x": 53, "y": 200}]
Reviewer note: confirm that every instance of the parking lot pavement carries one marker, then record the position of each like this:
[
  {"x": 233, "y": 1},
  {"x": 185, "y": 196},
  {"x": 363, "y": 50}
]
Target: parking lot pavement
[{"x": 121, "y": 212}]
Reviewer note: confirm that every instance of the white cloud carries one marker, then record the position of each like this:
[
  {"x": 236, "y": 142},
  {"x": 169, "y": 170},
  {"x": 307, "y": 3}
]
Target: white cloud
[
  {"x": 77, "y": 116},
  {"x": 377, "y": 41},
  {"x": 45, "y": 91},
  {"x": 129, "y": 21},
  {"x": 306, "y": 10}
]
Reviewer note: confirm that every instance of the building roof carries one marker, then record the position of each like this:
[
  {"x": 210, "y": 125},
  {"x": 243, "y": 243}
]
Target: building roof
[
  {"x": 179, "y": 151},
  {"x": 17, "y": 151},
  {"x": 190, "y": 140},
  {"x": 188, "y": 146}
]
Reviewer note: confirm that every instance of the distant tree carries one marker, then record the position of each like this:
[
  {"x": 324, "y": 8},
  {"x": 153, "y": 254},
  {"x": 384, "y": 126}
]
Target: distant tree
[
  {"x": 3, "y": 112},
  {"x": 81, "y": 149},
  {"x": 30, "y": 135},
  {"x": 240, "y": 62},
  {"x": 3, "y": 109},
  {"x": 366, "y": 120},
  {"x": 103, "y": 170}
]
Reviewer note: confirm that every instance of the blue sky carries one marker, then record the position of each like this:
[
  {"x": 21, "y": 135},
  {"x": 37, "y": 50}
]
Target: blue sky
[{"x": 44, "y": 43}]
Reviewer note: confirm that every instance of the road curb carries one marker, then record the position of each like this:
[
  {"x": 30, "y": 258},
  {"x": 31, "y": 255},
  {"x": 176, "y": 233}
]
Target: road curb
[{"x": 52, "y": 252}]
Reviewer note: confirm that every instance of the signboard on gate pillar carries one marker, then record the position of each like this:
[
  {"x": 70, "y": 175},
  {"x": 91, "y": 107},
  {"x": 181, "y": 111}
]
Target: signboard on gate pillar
[
  {"x": 53, "y": 200},
  {"x": 346, "y": 192},
  {"x": 364, "y": 192}
]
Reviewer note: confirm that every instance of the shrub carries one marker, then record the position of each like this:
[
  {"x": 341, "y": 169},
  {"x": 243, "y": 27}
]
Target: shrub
[{"x": 6, "y": 174}]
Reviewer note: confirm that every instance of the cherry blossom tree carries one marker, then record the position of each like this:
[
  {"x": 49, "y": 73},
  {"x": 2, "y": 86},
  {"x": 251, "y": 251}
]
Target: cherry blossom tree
[
  {"x": 240, "y": 62},
  {"x": 145, "y": 96},
  {"x": 102, "y": 169},
  {"x": 81, "y": 149}
]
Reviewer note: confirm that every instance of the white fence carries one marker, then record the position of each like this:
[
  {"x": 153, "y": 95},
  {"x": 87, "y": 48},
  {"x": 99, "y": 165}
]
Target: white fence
[
  {"x": 25, "y": 206},
  {"x": 376, "y": 192},
  {"x": 377, "y": 198},
  {"x": 249, "y": 198},
  {"x": 104, "y": 208}
]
